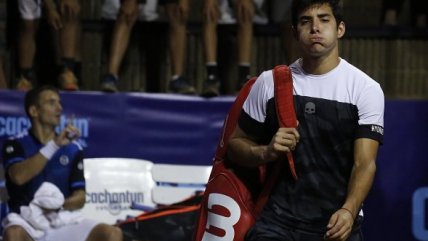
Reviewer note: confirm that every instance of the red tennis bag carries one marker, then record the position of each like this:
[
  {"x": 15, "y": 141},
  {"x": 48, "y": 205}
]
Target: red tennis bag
[{"x": 235, "y": 196}]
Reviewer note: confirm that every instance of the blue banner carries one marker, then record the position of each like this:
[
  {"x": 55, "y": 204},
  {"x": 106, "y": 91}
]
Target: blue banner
[
  {"x": 178, "y": 129},
  {"x": 160, "y": 128}
]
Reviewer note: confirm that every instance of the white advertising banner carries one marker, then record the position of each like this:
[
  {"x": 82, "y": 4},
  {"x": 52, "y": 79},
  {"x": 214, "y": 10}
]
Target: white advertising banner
[{"x": 113, "y": 184}]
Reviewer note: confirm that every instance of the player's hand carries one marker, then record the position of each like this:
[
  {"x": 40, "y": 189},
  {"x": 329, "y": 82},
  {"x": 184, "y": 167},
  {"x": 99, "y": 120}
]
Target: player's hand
[
  {"x": 68, "y": 134},
  {"x": 211, "y": 11},
  {"x": 340, "y": 226},
  {"x": 245, "y": 10},
  {"x": 284, "y": 140},
  {"x": 69, "y": 9}
]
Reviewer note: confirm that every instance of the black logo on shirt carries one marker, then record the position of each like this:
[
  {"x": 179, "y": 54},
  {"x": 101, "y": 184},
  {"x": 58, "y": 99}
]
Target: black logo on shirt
[{"x": 310, "y": 108}]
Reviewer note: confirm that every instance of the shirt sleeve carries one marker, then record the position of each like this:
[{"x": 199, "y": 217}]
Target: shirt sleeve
[
  {"x": 371, "y": 107},
  {"x": 12, "y": 152},
  {"x": 77, "y": 176},
  {"x": 254, "y": 109}
]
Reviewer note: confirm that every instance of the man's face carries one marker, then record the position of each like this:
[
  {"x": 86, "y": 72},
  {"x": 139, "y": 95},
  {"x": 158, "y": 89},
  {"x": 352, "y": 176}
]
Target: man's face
[
  {"x": 317, "y": 30},
  {"x": 48, "y": 109}
]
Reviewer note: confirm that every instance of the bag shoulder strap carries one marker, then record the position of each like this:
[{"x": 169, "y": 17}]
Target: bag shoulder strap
[
  {"x": 284, "y": 102},
  {"x": 283, "y": 90},
  {"x": 283, "y": 84}
]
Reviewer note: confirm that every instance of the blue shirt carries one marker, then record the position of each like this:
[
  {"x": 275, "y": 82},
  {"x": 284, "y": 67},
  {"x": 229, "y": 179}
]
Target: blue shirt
[{"x": 64, "y": 169}]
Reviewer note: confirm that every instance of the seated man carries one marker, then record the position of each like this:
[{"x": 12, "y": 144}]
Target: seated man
[
  {"x": 176, "y": 11},
  {"x": 42, "y": 155},
  {"x": 63, "y": 16}
]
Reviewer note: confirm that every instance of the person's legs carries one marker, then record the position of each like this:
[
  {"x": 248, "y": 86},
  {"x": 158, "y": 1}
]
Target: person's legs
[
  {"x": 211, "y": 14},
  {"x": 3, "y": 84},
  {"x": 281, "y": 14},
  {"x": 390, "y": 11},
  {"x": 289, "y": 44},
  {"x": 104, "y": 232},
  {"x": 177, "y": 17},
  {"x": 68, "y": 38},
  {"x": 85, "y": 230},
  {"x": 30, "y": 13},
  {"x": 419, "y": 12},
  {"x": 26, "y": 53},
  {"x": 244, "y": 13},
  {"x": 16, "y": 233},
  {"x": 209, "y": 20},
  {"x": 177, "y": 38},
  {"x": 124, "y": 23}
]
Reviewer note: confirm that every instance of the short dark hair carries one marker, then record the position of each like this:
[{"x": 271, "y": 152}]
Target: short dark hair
[
  {"x": 298, "y": 6},
  {"x": 33, "y": 95}
]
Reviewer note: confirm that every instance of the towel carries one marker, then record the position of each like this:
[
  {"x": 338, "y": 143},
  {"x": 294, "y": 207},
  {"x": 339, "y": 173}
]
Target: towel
[
  {"x": 16, "y": 219},
  {"x": 48, "y": 196},
  {"x": 43, "y": 212},
  {"x": 64, "y": 217},
  {"x": 35, "y": 216}
]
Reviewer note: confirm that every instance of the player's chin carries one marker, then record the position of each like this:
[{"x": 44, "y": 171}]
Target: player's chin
[{"x": 316, "y": 54}]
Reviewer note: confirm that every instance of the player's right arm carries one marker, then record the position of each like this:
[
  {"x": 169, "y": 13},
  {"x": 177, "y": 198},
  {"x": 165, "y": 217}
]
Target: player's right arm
[
  {"x": 244, "y": 150},
  {"x": 246, "y": 147},
  {"x": 76, "y": 200},
  {"x": 20, "y": 169}
]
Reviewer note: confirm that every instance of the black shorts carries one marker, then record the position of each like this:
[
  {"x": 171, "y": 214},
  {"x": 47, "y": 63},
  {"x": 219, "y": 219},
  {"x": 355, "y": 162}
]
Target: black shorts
[{"x": 265, "y": 232}]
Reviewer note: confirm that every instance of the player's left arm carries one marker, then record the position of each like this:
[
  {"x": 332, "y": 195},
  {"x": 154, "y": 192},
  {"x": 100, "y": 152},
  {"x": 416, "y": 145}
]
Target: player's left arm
[
  {"x": 371, "y": 105},
  {"x": 363, "y": 172},
  {"x": 77, "y": 185},
  {"x": 76, "y": 200},
  {"x": 360, "y": 183}
]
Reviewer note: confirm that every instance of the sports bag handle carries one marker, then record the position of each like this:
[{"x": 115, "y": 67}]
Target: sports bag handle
[
  {"x": 285, "y": 104},
  {"x": 283, "y": 87}
]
